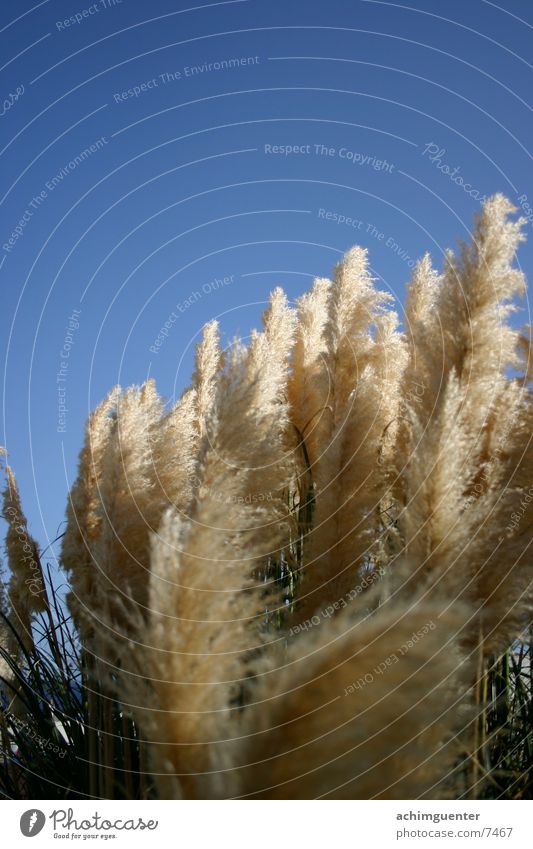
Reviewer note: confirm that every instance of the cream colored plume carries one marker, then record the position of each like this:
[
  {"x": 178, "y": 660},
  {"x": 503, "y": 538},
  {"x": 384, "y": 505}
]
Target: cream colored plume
[
  {"x": 362, "y": 711},
  {"x": 84, "y": 515},
  {"x": 209, "y": 361},
  {"x": 306, "y": 382},
  {"x": 137, "y": 461},
  {"x": 424, "y": 374},
  {"x": 469, "y": 458},
  {"x": 411, "y": 456},
  {"x": 207, "y": 610},
  {"x": 26, "y": 588},
  {"x": 6, "y": 641},
  {"x": 357, "y": 397}
]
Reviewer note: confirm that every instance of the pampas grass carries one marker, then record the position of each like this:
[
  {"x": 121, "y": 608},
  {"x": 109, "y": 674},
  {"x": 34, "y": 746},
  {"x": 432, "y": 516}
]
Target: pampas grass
[
  {"x": 206, "y": 600},
  {"x": 368, "y": 710},
  {"x": 25, "y": 593},
  {"x": 309, "y": 577},
  {"x": 356, "y": 397},
  {"x": 469, "y": 453}
]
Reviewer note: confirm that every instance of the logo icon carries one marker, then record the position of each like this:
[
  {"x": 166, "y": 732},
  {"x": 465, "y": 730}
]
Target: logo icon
[{"x": 32, "y": 822}]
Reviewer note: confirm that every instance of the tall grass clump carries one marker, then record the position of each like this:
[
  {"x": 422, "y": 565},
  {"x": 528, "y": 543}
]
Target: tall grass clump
[{"x": 308, "y": 578}]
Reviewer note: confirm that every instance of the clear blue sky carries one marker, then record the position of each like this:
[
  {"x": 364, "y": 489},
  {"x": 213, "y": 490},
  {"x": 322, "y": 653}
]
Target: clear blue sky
[{"x": 132, "y": 180}]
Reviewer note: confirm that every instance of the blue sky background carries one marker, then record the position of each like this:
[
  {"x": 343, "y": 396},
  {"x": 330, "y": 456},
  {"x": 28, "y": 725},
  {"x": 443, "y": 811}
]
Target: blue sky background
[{"x": 181, "y": 193}]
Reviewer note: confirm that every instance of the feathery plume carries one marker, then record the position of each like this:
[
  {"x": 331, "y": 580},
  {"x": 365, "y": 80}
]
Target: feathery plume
[
  {"x": 306, "y": 382},
  {"x": 464, "y": 535},
  {"x": 204, "y": 622},
  {"x": 5, "y": 640},
  {"x": 526, "y": 353},
  {"x": 206, "y": 609},
  {"x": 359, "y": 388},
  {"x": 209, "y": 361},
  {"x": 174, "y": 452},
  {"x": 26, "y": 590},
  {"x": 84, "y": 515},
  {"x": 136, "y": 462},
  {"x": 130, "y": 512},
  {"x": 469, "y": 444},
  {"x": 366, "y": 711},
  {"x": 423, "y": 374},
  {"x": 412, "y": 455},
  {"x": 478, "y": 289}
]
